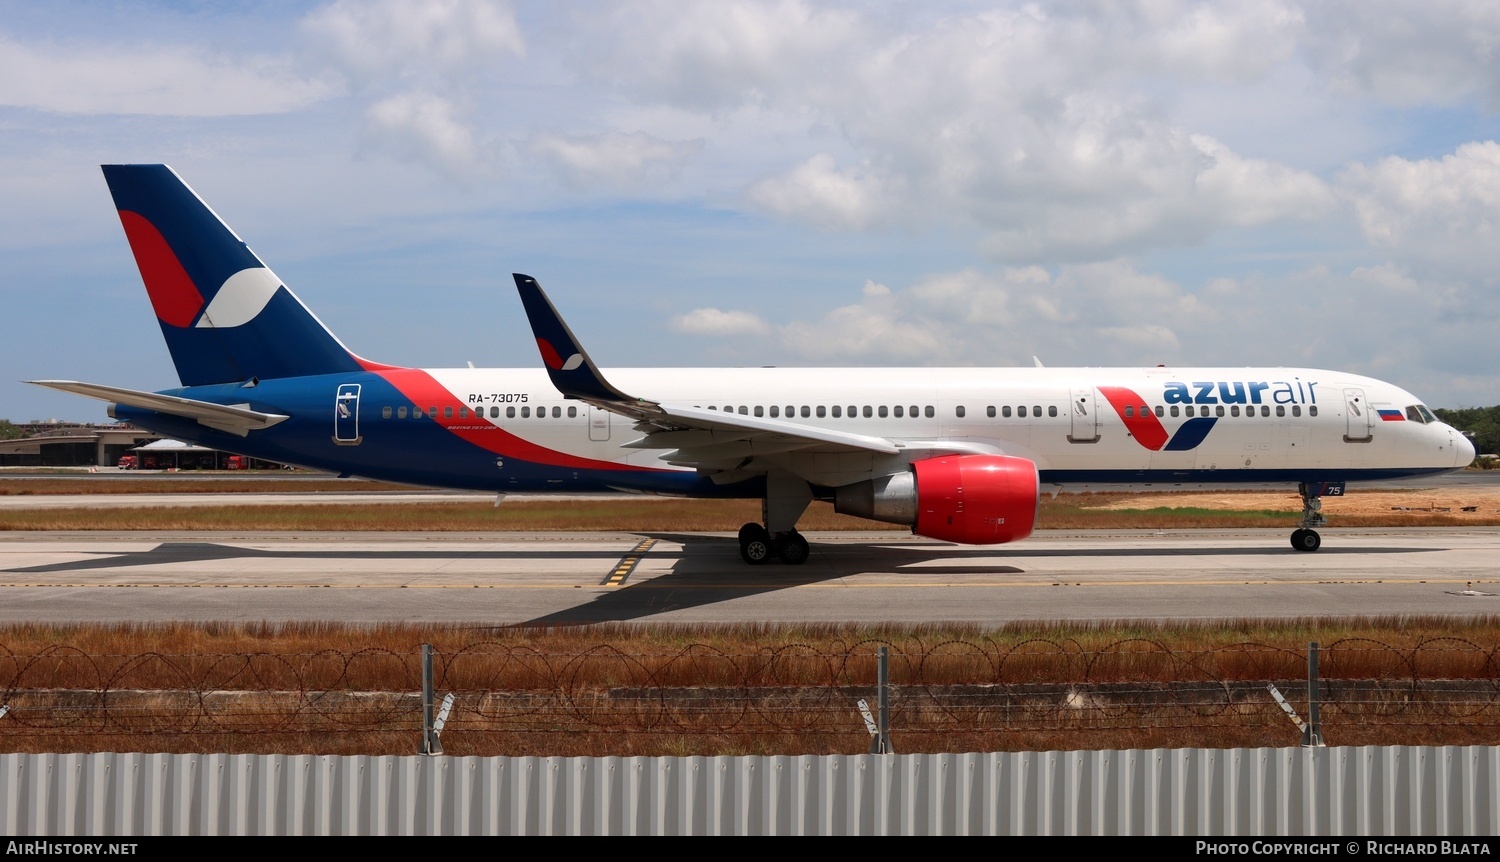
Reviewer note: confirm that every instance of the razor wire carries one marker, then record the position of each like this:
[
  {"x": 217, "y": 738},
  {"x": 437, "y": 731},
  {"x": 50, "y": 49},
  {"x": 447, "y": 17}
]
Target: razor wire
[{"x": 947, "y": 688}]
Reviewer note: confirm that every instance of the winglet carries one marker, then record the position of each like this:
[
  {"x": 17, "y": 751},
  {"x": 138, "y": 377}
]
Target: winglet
[{"x": 572, "y": 371}]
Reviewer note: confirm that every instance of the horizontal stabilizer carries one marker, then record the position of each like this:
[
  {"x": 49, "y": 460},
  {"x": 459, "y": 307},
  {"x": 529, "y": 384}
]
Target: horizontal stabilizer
[{"x": 239, "y": 420}]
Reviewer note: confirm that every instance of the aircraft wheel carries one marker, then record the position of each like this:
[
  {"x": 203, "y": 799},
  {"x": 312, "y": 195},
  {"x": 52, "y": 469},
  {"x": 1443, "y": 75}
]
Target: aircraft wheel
[
  {"x": 792, "y": 549},
  {"x": 1306, "y": 540},
  {"x": 756, "y": 551},
  {"x": 750, "y": 531}
]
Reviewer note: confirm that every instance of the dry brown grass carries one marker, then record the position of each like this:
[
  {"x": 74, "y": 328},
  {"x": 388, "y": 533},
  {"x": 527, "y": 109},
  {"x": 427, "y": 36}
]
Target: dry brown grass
[
  {"x": 657, "y": 514},
  {"x": 623, "y": 689}
]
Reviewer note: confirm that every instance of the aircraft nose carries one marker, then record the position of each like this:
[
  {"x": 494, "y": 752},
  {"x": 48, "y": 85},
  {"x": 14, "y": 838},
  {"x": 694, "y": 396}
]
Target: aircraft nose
[{"x": 1464, "y": 451}]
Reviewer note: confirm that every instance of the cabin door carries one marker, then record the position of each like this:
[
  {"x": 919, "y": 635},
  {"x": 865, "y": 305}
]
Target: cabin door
[
  {"x": 346, "y": 415},
  {"x": 1358, "y": 417},
  {"x": 1085, "y": 417},
  {"x": 598, "y": 424}
]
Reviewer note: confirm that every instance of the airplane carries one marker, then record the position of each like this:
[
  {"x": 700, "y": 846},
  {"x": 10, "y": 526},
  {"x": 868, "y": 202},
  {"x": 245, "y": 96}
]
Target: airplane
[{"x": 957, "y": 454}]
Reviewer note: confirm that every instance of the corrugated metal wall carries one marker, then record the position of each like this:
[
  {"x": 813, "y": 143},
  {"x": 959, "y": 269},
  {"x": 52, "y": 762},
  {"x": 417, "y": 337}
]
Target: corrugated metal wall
[{"x": 1269, "y": 791}]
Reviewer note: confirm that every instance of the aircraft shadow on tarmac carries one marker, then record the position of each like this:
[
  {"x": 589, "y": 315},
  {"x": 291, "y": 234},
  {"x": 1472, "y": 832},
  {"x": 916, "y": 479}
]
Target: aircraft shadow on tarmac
[{"x": 708, "y": 571}]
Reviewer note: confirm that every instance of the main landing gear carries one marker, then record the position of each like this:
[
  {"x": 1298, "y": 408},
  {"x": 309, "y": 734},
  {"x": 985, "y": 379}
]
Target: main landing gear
[
  {"x": 1305, "y": 538},
  {"x": 786, "y": 499},
  {"x": 758, "y": 545}
]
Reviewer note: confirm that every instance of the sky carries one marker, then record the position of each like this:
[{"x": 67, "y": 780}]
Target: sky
[{"x": 745, "y": 183}]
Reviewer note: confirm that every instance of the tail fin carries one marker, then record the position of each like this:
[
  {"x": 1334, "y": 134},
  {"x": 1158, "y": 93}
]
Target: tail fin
[
  {"x": 226, "y": 317},
  {"x": 576, "y": 376}
]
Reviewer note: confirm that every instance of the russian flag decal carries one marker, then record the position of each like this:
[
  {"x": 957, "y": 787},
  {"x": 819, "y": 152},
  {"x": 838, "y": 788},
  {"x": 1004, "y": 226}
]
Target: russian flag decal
[{"x": 1391, "y": 415}]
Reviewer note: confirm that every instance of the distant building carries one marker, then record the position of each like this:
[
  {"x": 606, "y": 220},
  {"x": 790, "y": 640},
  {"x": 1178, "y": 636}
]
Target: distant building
[{"x": 73, "y": 445}]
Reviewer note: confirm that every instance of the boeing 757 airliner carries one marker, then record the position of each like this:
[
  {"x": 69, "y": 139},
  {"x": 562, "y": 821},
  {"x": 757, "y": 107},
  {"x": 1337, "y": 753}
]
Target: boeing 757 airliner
[{"x": 958, "y": 454}]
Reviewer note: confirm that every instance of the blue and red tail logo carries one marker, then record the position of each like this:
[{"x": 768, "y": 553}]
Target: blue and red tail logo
[
  {"x": 225, "y": 316},
  {"x": 1147, "y": 429}
]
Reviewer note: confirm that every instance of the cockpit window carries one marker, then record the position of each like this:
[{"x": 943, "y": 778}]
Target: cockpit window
[
  {"x": 1412, "y": 415},
  {"x": 1426, "y": 414}
]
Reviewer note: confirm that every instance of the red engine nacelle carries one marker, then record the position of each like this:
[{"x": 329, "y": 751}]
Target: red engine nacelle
[{"x": 976, "y": 499}]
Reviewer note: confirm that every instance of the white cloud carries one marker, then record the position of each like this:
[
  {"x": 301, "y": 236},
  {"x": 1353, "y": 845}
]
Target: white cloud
[
  {"x": 1096, "y": 314},
  {"x": 173, "y": 80},
  {"x": 1408, "y": 53},
  {"x": 375, "y": 41},
  {"x": 429, "y": 128},
  {"x": 415, "y": 64},
  {"x": 1034, "y": 125},
  {"x": 615, "y": 159},
  {"x": 716, "y": 323},
  {"x": 1443, "y": 213},
  {"x": 820, "y": 192}
]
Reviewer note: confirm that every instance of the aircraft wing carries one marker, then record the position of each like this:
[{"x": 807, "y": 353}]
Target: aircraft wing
[
  {"x": 695, "y": 437},
  {"x": 239, "y": 420}
]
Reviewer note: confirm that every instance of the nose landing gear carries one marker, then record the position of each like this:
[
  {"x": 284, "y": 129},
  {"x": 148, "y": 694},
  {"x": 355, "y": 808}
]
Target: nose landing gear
[{"x": 1305, "y": 538}]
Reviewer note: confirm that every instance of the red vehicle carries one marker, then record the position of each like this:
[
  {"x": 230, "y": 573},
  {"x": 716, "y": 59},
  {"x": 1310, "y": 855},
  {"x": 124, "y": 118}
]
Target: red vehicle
[
  {"x": 236, "y": 462},
  {"x": 128, "y": 462}
]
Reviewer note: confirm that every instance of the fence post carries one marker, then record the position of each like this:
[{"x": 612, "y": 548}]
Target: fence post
[
  {"x": 430, "y": 743},
  {"x": 882, "y": 742},
  {"x": 1312, "y": 736}
]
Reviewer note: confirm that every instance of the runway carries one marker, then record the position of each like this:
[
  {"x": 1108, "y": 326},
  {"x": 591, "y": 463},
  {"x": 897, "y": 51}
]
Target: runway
[{"x": 566, "y": 579}]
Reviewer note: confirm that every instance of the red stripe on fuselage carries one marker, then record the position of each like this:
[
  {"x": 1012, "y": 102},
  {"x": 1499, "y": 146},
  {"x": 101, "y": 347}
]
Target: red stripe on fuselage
[
  {"x": 1143, "y": 425},
  {"x": 424, "y": 391},
  {"x": 174, "y": 297}
]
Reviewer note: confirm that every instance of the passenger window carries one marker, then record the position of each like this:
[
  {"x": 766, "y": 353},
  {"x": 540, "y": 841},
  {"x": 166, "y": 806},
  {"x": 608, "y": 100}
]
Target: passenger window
[
  {"x": 1052, "y": 410},
  {"x": 1005, "y": 412},
  {"x": 957, "y": 411},
  {"x": 743, "y": 411},
  {"x": 759, "y": 411},
  {"x": 1280, "y": 409},
  {"x": 928, "y": 412},
  {"x": 1021, "y": 411},
  {"x": 400, "y": 412},
  {"x": 572, "y": 412},
  {"x": 463, "y": 413},
  {"x": 837, "y": 411},
  {"x": 775, "y": 411},
  {"x": 882, "y": 411},
  {"x": 510, "y": 413},
  {"x": 1174, "y": 409},
  {"x": 432, "y": 412},
  {"x": 822, "y": 411},
  {"x": 1160, "y": 411},
  {"x": 897, "y": 408},
  {"x": 990, "y": 411},
  {"x": 1234, "y": 410},
  {"x": 791, "y": 412},
  {"x": 728, "y": 409},
  {"x": 806, "y": 411},
  {"x": 913, "y": 411},
  {"x": 1312, "y": 409},
  {"x": 1129, "y": 411},
  {"x": 1219, "y": 410},
  {"x": 1296, "y": 409},
  {"x": 525, "y": 412},
  {"x": 556, "y": 412},
  {"x": 869, "y": 412},
  {"x": 1036, "y": 410}
]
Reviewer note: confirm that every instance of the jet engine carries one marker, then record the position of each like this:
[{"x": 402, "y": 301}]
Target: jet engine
[{"x": 970, "y": 499}]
